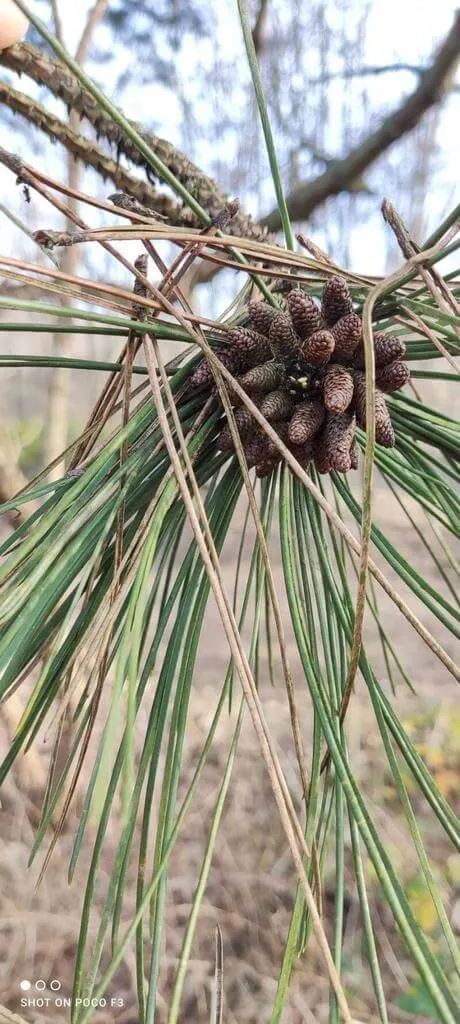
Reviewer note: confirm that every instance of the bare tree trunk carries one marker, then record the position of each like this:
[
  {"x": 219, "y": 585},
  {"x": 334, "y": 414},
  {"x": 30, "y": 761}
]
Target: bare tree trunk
[
  {"x": 12, "y": 479},
  {"x": 58, "y": 400}
]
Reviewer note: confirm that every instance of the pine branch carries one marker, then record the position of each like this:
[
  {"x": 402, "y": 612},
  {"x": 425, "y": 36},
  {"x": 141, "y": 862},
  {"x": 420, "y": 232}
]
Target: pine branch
[
  {"x": 26, "y": 59},
  {"x": 432, "y": 86},
  {"x": 90, "y": 154}
]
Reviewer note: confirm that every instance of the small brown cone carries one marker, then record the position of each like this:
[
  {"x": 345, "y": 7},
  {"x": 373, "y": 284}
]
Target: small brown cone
[
  {"x": 261, "y": 316},
  {"x": 252, "y": 346},
  {"x": 202, "y": 375},
  {"x": 384, "y": 433},
  {"x": 256, "y": 448},
  {"x": 277, "y": 405},
  {"x": 303, "y": 453},
  {"x": 321, "y": 456},
  {"x": 386, "y": 350},
  {"x": 282, "y": 336},
  {"x": 266, "y": 468},
  {"x": 338, "y": 388},
  {"x": 337, "y": 301},
  {"x": 306, "y": 421},
  {"x": 318, "y": 348},
  {"x": 304, "y": 313},
  {"x": 354, "y": 454},
  {"x": 245, "y": 423},
  {"x": 337, "y": 437},
  {"x": 347, "y": 334},
  {"x": 272, "y": 456},
  {"x": 392, "y": 377},
  {"x": 263, "y": 378}
]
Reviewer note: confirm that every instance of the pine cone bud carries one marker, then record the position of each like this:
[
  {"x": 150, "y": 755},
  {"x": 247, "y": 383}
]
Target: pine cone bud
[
  {"x": 321, "y": 456},
  {"x": 337, "y": 301},
  {"x": 384, "y": 433},
  {"x": 246, "y": 425},
  {"x": 256, "y": 448},
  {"x": 265, "y": 468},
  {"x": 305, "y": 314},
  {"x": 272, "y": 455},
  {"x": 392, "y": 377},
  {"x": 318, "y": 348},
  {"x": 386, "y": 350},
  {"x": 277, "y": 405},
  {"x": 261, "y": 316},
  {"x": 306, "y": 420},
  {"x": 303, "y": 453},
  {"x": 253, "y": 347},
  {"x": 337, "y": 438},
  {"x": 338, "y": 388},
  {"x": 347, "y": 334},
  {"x": 202, "y": 375},
  {"x": 283, "y": 339},
  {"x": 263, "y": 378}
]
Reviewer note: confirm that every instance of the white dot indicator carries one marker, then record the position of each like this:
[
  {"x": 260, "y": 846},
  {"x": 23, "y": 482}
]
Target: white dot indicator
[
  {"x": 55, "y": 985},
  {"x": 25, "y": 985},
  {"x": 40, "y": 985}
]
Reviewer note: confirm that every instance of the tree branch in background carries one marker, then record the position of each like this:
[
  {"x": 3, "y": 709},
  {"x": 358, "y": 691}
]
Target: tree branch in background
[
  {"x": 90, "y": 155},
  {"x": 58, "y": 399},
  {"x": 12, "y": 479},
  {"x": 358, "y": 185},
  {"x": 260, "y": 24},
  {"x": 57, "y": 23},
  {"x": 26, "y": 59},
  {"x": 95, "y": 15},
  {"x": 374, "y": 71},
  {"x": 433, "y": 84}
]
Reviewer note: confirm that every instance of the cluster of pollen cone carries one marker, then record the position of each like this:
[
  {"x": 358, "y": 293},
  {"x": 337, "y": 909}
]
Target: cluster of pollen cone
[{"x": 303, "y": 368}]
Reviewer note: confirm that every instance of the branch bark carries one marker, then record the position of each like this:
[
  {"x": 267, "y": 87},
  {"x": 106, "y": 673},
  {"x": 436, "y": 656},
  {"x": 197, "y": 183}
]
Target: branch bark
[
  {"x": 90, "y": 155},
  {"x": 432, "y": 86},
  {"x": 26, "y": 59}
]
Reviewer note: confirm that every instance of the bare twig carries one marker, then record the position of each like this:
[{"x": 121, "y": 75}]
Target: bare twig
[
  {"x": 95, "y": 15},
  {"x": 258, "y": 32},
  {"x": 374, "y": 70},
  {"x": 57, "y": 21},
  {"x": 436, "y": 285},
  {"x": 354, "y": 187}
]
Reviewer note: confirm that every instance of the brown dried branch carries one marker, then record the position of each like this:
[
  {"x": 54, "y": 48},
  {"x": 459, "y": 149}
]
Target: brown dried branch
[
  {"x": 432, "y": 86},
  {"x": 90, "y": 154},
  {"x": 26, "y": 59}
]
